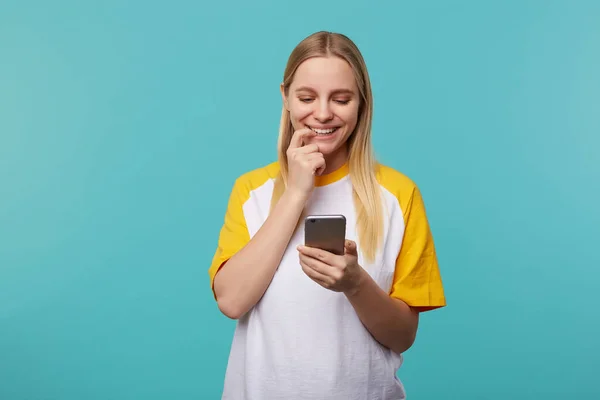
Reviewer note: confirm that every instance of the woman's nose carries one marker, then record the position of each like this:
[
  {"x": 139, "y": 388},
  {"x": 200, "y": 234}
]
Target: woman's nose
[{"x": 323, "y": 112}]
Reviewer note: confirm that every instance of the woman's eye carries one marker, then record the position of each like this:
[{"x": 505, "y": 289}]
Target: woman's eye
[{"x": 310, "y": 99}]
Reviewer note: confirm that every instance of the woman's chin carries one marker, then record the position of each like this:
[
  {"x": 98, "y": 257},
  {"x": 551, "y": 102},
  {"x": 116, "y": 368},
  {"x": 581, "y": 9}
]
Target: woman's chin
[
  {"x": 325, "y": 148},
  {"x": 329, "y": 149}
]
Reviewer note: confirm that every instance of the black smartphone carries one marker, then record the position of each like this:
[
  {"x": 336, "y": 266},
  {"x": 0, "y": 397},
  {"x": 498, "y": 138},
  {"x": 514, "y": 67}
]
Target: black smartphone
[{"x": 326, "y": 232}]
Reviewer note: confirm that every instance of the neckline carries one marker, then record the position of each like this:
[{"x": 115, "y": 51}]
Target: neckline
[{"x": 333, "y": 176}]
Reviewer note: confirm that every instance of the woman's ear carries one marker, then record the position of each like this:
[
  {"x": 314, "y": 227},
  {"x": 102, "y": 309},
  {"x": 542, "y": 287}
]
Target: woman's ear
[{"x": 284, "y": 97}]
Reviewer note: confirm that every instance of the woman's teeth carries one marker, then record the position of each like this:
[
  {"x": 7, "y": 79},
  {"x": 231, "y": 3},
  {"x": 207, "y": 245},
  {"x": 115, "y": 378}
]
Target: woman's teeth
[{"x": 323, "y": 131}]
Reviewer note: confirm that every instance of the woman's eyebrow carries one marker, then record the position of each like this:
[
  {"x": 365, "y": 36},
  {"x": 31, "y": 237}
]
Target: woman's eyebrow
[{"x": 336, "y": 91}]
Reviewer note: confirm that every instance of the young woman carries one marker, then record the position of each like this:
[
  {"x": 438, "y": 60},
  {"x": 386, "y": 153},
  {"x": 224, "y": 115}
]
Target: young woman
[{"x": 311, "y": 324}]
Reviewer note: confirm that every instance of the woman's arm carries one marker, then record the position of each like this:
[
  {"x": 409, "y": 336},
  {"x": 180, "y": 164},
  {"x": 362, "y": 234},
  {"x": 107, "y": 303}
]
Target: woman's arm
[
  {"x": 243, "y": 279},
  {"x": 391, "y": 321}
]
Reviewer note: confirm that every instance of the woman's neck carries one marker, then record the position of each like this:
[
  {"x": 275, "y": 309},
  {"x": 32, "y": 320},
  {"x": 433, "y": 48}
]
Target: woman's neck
[{"x": 336, "y": 160}]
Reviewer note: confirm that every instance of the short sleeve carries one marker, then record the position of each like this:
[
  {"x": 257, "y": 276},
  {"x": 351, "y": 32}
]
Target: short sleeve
[
  {"x": 234, "y": 232},
  {"x": 417, "y": 280}
]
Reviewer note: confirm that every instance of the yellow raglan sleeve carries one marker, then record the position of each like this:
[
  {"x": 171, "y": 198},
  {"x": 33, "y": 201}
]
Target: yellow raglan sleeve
[
  {"x": 234, "y": 232},
  {"x": 417, "y": 279}
]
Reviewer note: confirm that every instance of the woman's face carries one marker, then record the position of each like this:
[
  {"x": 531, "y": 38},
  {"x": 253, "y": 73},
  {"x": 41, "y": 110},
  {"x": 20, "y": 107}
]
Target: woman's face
[{"x": 324, "y": 97}]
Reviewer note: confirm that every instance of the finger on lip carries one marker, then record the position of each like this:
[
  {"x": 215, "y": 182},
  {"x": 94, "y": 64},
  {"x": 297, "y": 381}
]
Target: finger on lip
[
  {"x": 306, "y": 134},
  {"x": 297, "y": 139}
]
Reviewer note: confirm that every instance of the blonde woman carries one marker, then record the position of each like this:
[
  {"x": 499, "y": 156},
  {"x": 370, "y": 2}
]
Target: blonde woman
[{"x": 311, "y": 324}]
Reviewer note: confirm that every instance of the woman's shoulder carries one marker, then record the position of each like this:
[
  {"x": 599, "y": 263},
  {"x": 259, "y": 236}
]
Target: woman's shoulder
[
  {"x": 258, "y": 176},
  {"x": 399, "y": 185},
  {"x": 394, "y": 180}
]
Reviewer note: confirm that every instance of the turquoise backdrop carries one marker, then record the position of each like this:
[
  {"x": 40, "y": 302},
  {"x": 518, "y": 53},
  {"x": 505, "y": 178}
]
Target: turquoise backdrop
[{"x": 124, "y": 124}]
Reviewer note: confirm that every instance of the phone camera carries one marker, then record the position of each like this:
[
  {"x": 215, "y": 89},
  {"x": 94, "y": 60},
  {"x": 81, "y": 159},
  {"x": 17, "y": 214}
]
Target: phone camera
[{"x": 312, "y": 221}]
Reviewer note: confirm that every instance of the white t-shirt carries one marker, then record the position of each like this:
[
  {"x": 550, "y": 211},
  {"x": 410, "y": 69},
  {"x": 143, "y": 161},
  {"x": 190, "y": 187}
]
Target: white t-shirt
[{"x": 302, "y": 341}]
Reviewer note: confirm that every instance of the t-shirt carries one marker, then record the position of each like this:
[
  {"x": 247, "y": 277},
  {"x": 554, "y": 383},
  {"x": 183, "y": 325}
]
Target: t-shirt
[{"x": 303, "y": 341}]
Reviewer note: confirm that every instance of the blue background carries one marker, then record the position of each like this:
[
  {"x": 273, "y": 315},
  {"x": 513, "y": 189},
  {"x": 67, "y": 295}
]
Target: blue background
[{"x": 124, "y": 124}]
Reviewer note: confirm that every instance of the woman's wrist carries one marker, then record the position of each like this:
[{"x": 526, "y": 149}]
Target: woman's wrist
[{"x": 295, "y": 197}]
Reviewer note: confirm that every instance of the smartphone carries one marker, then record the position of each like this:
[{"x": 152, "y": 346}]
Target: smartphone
[{"x": 326, "y": 232}]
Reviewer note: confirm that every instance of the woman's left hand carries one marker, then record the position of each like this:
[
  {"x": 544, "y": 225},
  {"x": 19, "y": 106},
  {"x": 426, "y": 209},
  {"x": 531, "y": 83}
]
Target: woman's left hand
[{"x": 337, "y": 273}]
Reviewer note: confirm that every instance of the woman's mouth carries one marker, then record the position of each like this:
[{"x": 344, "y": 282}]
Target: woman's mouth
[{"x": 323, "y": 132}]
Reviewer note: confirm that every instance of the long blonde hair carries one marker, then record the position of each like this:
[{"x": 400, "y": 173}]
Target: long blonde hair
[{"x": 361, "y": 160}]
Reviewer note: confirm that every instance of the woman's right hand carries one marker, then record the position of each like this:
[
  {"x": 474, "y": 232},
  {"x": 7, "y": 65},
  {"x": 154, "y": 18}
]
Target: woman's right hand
[{"x": 304, "y": 163}]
